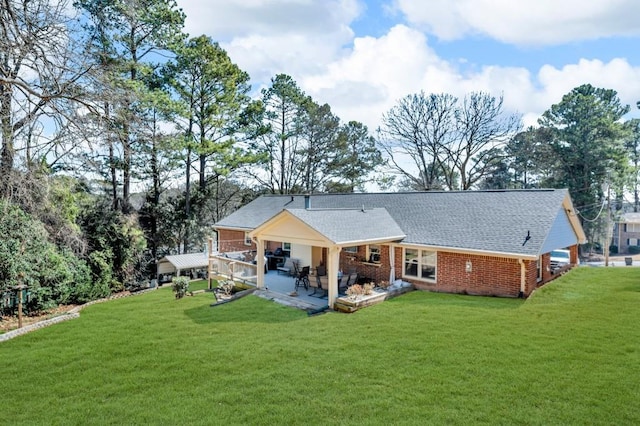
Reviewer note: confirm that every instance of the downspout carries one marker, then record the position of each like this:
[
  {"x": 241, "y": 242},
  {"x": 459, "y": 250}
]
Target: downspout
[{"x": 523, "y": 278}]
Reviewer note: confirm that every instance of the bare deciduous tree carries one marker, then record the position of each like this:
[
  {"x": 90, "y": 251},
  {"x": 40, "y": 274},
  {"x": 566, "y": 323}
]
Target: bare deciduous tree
[
  {"x": 40, "y": 76},
  {"x": 436, "y": 142}
]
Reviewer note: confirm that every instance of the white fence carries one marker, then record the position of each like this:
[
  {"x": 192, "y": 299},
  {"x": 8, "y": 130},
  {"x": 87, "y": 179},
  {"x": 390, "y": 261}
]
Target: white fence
[{"x": 233, "y": 268}]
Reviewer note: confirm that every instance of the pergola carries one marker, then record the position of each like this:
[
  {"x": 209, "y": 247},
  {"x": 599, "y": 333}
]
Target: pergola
[{"x": 332, "y": 229}]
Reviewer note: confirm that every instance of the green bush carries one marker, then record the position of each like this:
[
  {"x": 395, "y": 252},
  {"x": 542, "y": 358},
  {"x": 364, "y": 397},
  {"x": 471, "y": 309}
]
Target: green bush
[
  {"x": 119, "y": 242},
  {"x": 180, "y": 286},
  {"x": 634, "y": 250},
  {"x": 54, "y": 276},
  {"x": 613, "y": 249}
]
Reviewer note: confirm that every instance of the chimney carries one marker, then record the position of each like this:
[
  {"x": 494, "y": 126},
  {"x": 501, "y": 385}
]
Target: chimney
[{"x": 307, "y": 202}]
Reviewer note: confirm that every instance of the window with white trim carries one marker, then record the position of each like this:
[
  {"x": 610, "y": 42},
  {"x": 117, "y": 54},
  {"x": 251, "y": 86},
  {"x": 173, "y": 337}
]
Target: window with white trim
[
  {"x": 420, "y": 264},
  {"x": 352, "y": 249},
  {"x": 373, "y": 253},
  {"x": 632, "y": 227},
  {"x": 247, "y": 239}
]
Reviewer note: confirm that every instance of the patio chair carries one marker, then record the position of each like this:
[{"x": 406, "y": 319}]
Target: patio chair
[
  {"x": 321, "y": 270},
  {"x": 315, "y": 285},
  {"x": 323, "y": 282},
  {"x": 290, "y": 267},
  {"x": 350, "y": 280},
  {"x": 302, "y": 278}
]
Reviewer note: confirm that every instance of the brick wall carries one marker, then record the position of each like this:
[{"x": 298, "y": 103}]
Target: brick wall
[
  {"x": 489, "y": 276},
  {"x": 356, "y": 262},
  {"x": 230, "y": 240}
]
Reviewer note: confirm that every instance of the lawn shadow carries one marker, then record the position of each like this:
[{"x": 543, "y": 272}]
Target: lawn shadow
[{"x": 250, "y": 309}]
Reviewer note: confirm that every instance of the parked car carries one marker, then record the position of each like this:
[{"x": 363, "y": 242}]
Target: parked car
[{"x": 560, "y": 259}]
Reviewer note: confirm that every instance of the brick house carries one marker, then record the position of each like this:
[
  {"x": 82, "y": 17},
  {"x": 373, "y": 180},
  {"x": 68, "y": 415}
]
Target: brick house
[
  {"x": 472, "y": 242},
  {"x": 626, "y": 233}
]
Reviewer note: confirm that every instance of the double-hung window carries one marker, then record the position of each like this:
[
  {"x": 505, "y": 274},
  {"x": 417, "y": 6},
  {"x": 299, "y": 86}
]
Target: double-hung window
[
  {"x": 420, "y": 264},
  {"x": 373, "y": 253}
]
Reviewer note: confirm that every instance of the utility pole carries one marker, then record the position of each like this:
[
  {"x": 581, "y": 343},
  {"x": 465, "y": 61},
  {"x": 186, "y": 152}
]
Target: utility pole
[{"x": 608, "y": 227}]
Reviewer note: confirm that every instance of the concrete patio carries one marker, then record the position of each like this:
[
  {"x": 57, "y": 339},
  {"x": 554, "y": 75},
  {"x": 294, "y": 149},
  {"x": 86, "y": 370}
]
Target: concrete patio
[{"x": 278, "y": 287}]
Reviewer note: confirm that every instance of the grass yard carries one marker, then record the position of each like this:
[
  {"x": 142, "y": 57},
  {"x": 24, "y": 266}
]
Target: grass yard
[{"x": 568, "y": 355}]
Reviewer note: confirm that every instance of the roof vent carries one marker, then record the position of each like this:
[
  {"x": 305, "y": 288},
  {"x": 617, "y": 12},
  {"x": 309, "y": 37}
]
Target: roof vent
[{"x": 307, "y": 202}]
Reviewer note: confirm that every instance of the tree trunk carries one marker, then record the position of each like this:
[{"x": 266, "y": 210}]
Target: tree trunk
[{"x": 8, "y": 152}]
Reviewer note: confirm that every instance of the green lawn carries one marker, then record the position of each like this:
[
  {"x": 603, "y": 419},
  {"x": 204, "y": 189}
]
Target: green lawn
[{"x": 568, "y": 355}]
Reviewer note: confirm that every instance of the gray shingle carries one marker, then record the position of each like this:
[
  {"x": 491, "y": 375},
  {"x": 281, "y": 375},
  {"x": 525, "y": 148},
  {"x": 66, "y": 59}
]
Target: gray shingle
[
  {"x": 343, "y": 226},
  {"x": 494, "y": 221}
]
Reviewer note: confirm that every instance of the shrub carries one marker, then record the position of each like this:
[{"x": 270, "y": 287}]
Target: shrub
[
  {"x": 180, "y": 286},
  {"x": 54, "y": 276},
  {"x": 368, "y": 288},
  {"x": 634, "y": 250},
  {"x": 226, "y": 287},
  {"x": 613, "y": 249},
  {"x": 355, "y": 291},
  {"x": 384, "y": 285}
]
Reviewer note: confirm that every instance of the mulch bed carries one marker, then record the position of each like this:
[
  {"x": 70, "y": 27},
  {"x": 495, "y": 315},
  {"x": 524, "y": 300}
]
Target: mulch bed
[{"x": 11, "y": 323}]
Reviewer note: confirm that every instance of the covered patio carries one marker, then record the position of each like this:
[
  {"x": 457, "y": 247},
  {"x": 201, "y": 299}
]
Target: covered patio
[
  {"x": 328, "y": 229},
  {"x": 283, "y": 286}
]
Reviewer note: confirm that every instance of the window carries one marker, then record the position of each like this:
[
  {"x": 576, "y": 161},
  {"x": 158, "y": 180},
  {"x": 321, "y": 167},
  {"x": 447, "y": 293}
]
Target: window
[
  {"x": 352, "y": 249},
  {"x": 247, "y": 239},
  {"x": 286, "y": 249},
  {"x": 632, "y": 227},
  {"x": 373, "y": 253},
  {"x": 420, "y": 264}
]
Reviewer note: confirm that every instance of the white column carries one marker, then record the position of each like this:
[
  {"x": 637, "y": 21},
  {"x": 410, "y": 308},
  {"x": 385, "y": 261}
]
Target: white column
[
  {"x": 392, "y": 263},
  {"x": 260, "y": 263},
  {"x": 333, "y": 265}
]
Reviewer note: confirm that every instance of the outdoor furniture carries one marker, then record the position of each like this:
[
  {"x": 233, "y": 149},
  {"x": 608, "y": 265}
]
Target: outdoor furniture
[
  {"x": 302, "y": 278},
  {"x": 323, "y": 285},
  {"x": 289, "y": 266},
  {"x": 345, "y": 283},
  {"x": 315, "y": 284}
]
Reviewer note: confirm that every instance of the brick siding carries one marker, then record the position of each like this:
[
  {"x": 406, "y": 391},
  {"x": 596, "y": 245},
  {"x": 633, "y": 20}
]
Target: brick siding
[{"x": 489, "y": 276}]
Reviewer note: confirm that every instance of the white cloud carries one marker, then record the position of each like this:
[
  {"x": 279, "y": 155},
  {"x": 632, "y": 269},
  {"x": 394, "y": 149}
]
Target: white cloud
[
  {"x": 524, "y": 22},
  {"x": 241, "y": 18},
  {"x": 363, "y": 77},
  {"x": 376, "y": 73},
  {"x": 379, "y": 71}
]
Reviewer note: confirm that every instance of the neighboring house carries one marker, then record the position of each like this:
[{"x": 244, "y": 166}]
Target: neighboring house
[
  {"x": 472, "y": 242},
  {"x": 626, "y": 233}
]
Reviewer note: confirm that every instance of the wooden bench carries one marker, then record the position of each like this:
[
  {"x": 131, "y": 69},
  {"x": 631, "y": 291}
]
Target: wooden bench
[{"x": 289, "y": 267}]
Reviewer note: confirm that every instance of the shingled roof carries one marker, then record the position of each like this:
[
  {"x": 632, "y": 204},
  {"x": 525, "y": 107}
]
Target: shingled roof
[{"x": 491, "y": 221}]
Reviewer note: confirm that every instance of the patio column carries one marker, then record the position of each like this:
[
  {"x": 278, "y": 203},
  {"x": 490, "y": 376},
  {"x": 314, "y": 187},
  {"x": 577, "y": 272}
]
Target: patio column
[
  {"x": 333, "y": 265},
  {"x": 392, "y": 263},
  {"x": 259, "y": 263}
]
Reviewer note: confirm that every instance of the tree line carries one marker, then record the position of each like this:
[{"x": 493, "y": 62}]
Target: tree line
[{"x": 124, "y": 139}]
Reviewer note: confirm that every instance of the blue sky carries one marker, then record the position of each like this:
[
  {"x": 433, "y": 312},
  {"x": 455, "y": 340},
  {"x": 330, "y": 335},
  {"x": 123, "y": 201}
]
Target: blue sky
[{"x": 360, "y": 56}]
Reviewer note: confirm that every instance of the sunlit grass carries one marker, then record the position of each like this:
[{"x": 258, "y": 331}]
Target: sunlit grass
[{"x": 568, "y": 355}]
